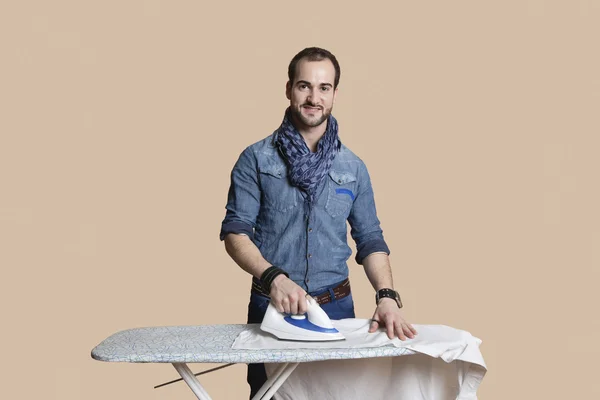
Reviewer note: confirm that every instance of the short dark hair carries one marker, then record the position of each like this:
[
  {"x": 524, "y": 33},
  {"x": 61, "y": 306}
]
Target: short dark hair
[{"x": 314, "y": 54}]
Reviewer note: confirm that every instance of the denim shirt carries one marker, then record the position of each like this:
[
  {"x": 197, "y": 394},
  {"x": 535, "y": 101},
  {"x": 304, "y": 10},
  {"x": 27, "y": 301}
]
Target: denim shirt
[{"x": 309, "y": 243}]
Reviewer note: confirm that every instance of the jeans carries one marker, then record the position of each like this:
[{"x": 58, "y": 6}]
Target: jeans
[{"x": 335, "y": 309}]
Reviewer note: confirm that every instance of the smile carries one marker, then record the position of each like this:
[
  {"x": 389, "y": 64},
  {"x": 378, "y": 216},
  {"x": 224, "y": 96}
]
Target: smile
[{"x": 311, "y": 109}]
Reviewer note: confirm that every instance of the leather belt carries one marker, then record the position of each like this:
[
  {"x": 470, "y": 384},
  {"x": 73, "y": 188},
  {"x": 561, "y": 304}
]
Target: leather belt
[{"x": 339, "y": 291}]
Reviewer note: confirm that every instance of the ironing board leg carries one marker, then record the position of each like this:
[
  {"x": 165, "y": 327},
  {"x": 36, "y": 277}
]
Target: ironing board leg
[
  {"x": 269, "y": 382},
  {"x": 275, "y": 381},
  {"x": 192, "y": 381}
]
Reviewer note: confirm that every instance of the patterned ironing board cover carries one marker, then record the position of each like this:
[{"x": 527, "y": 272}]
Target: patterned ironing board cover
[{"x": 213, "y": 344}]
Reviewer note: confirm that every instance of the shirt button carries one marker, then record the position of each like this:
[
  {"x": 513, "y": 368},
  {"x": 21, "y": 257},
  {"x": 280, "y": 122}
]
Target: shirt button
[
  {"x": 307, "y": 280},
  {"x": 309, "y": 255},
  {"x": 310, "y": 229}
]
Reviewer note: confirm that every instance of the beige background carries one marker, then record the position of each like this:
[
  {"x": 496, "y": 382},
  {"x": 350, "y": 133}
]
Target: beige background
[{"x": 120, "y": 122}]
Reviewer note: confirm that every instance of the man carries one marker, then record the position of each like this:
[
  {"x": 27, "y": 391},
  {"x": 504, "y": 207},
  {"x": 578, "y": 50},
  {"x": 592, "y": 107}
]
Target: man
[{"x": 290, "y": 197}]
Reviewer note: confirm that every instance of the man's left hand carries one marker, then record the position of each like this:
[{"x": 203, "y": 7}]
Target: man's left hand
[{"x": 388, "y": 315}]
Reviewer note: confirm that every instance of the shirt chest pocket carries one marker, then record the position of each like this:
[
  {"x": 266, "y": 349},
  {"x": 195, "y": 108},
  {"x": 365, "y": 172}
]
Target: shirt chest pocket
[
  {"x": 341, "y": 192},
  {"x": 277, "y": 192}
]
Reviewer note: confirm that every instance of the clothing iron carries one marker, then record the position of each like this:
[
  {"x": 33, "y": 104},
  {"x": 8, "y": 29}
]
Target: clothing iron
[{"x": 314, "y": 326}]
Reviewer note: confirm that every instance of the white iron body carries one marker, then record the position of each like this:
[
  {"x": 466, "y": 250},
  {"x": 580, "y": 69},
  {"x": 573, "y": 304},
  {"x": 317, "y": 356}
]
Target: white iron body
[{"x": 314, "y": 326}]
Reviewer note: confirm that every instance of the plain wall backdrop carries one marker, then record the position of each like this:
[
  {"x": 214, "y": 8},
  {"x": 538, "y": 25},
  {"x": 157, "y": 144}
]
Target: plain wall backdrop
[{"x": 120, "y": 122}]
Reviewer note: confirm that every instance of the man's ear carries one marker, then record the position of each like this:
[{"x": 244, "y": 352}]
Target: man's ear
[
  {"x": 288, "y": 90},
  {"x": 335, "y": 92}
]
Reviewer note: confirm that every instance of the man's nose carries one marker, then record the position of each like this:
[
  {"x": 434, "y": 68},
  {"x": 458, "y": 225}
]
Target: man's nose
[{"x": 313, "y": 96}]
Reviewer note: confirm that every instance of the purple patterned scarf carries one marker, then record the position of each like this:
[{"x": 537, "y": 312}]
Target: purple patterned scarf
[{"x": 307, "y": 169}]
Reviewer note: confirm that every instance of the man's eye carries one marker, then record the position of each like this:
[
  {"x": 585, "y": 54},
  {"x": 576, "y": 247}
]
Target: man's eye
[
  {"x": 325, "y": 88},
  {"x": 303, "y": 86}
]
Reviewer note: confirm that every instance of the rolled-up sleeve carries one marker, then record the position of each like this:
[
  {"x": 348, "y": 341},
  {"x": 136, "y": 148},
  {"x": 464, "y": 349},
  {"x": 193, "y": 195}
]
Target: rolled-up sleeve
[
  {"x": 243, "y": 198},
  {"x": 364, "y": 223}
]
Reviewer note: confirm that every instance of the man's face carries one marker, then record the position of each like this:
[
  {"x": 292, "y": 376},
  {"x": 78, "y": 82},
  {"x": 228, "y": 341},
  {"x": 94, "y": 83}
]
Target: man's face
[{"x": 312, "y": 94}]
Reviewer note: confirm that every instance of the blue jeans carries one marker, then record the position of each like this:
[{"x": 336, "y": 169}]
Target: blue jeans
[{"x": 335, "y": 309}]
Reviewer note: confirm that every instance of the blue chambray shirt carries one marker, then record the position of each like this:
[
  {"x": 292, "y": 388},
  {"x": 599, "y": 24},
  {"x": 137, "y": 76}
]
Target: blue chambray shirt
[{"x": 310, "y": 244}]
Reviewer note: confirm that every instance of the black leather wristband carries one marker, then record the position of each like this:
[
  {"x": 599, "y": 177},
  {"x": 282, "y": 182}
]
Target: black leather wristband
[
  {"x": 267, "y": 277},
  {"x": 389, "y": 293}
]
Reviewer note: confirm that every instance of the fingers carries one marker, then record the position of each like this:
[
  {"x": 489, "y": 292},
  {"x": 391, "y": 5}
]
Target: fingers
[
  {"x": 293, "y": 303},
  {"x": 387, "y": 322},
  {"x": 389, "y": 326},
  {"x": 408, "y": 332},
  {"x": 303, "y": 303},
  {"x": 298, "y": 302},
  {"x": 374, "y": 324},
  {"x": 394, "y": 327},
  {"x": 412, "y": 329},
  {"x": 398, "y": 326},
  {"x": 285, "y": 305},
  {"x": 288, "y": 297}
]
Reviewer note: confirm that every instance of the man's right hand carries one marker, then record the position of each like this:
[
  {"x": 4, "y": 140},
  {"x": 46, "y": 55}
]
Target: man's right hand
[{"x": 287, "y": 296}]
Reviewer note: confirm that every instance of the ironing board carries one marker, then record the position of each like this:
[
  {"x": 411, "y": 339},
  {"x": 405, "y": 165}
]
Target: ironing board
[{"x": 180, "y": 345}]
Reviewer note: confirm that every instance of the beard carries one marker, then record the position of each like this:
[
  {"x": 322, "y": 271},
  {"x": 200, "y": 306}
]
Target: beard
[{"x": 307, "y": 121}]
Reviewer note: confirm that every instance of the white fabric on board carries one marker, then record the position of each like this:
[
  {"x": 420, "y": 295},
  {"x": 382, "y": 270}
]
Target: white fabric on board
[{"x": 441, "y": 363}]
